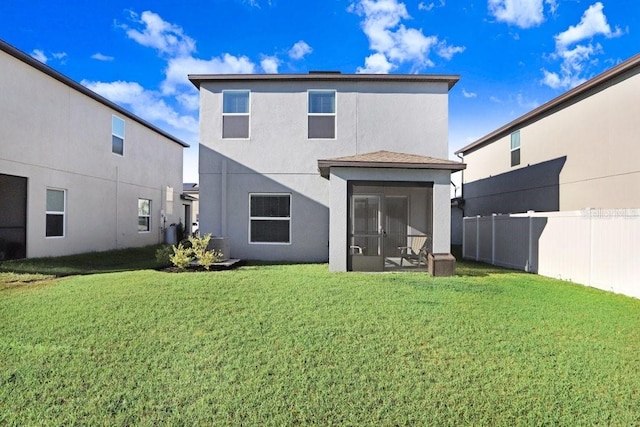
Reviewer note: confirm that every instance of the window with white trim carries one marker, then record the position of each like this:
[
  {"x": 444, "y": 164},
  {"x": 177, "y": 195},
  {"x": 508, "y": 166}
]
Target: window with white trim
[
  {"x": 515, "y": 148},
  {"x": 270, "y": 218},
  {"x": 117, "y": 135},
  {"x": 144, "y": 215},
  {"x": 235, "y": 114},
  {"x": 55, "y": 212},
  {"x": 322, "y": 114}
]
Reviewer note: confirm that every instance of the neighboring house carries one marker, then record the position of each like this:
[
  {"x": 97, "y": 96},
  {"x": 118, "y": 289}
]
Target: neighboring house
[
  {"x": 579, "y": 150},
  {"x": 191, "y": 195},
  {"x": 77, "y": 172},
  {"x": 325, "y": 166}
]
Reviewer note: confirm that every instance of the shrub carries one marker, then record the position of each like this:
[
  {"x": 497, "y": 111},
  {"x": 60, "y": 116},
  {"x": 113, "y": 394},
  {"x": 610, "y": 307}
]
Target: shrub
[
  {"x": 181, "y": 256},
  {"x": 163, "y": 255},
  {"x": 195, "y": 248}
]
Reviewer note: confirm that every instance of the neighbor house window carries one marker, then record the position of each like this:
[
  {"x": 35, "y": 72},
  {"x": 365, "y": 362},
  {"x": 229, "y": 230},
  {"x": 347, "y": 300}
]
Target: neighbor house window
[
  {"x": 117, "y": 135},
  {"x": 270, "y": 218},
  {"x": 322, "y": 114},
  {"x": 144, "y": 215},
  {"x": 56, "y": 205},
  {"x": 515, "y": 148},
  {"x": 235, "y": 114}
]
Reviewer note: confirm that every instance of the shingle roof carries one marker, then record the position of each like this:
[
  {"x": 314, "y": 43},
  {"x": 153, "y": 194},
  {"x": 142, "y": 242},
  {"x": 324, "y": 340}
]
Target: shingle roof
[
  {"x": 600, "y": 82},
  {"x": 388, "y": 159},
  {"x": 20, "y": 55}
]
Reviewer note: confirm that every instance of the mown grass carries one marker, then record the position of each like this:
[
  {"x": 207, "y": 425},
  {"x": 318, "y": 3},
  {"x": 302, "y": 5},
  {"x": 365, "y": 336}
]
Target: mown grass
[
  {"x": 88, "y": 263},
  {"x": 296, "y": 345}
]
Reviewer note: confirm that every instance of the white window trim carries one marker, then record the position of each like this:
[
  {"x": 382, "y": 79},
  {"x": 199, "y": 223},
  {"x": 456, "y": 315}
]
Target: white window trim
[
  {"x": 145, "y": 216},
  {"x": 511, "y": 149},
  {"x": 124, "y": 125},
  {"x": 270, "y": 218},
  {"x": 334, "y": 114},
  {"x": 248, "y": 114},
  {"x": 64, "y": 214}
]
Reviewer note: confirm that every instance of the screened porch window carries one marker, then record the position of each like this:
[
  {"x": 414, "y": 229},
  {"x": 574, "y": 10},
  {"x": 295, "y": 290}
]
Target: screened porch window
[{"x": 270, "y": 218}]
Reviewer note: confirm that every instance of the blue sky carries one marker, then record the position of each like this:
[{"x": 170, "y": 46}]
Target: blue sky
[{"x": 512, "y": 55}]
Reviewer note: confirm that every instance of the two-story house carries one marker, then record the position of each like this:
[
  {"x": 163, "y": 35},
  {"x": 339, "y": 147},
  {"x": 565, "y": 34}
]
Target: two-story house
[
  {"x": 77, "y": 172},
  {"x": 579, "y": 150},
  {"x": 312, "y": 167}
]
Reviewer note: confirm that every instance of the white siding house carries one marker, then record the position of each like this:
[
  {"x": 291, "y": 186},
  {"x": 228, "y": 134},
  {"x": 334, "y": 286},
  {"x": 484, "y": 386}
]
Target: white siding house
[
  {"x": 77, "y": 172},
  {"x": 325, "y": 166}
]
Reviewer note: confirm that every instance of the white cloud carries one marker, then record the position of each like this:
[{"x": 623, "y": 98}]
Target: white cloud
[
  {"x": 100, "y": 57},
  {"x": 430, "y": 6},
  {"x": 42, "y": 57},
  {"x": 576, "y": 58},
  {"x": 376, "y": 63},
  {"x": 299, "y": 50},
  {"x": 256, "y": 3},
  {"x": 468, "y": 94},
  {"x": 392, "y": 41},
  {"x": 39, "y": 55},
  {"x": 144, "y": 103},
  {"x": 166, "y": 38},
  {"x": 427, "y": 7},
  {"x": 521, "y": 13},
  {"x": 178, "y": 68},
  {"x": 572, "y": 68},
  {"x": 593, "y": 22},
  {"x": 270, "y": 64},
  {"x": 445, "y": 51}
]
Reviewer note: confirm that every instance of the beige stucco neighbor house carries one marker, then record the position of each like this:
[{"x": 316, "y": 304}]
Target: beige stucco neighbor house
[
  {"x": 323, "y": 166},
  {"x": 77, "y": 172},
  {"x": 579, "y": 150}
]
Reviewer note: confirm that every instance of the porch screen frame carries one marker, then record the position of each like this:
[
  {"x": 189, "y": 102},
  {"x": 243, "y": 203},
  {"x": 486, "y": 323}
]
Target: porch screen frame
[{"x": 350, "y": 192}]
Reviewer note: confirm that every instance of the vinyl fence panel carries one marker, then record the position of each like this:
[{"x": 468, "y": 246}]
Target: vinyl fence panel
[{"x": 594, "y": 247}]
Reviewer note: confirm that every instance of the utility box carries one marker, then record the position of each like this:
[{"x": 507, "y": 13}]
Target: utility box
[
  {"x": 441, "y": 265},
  {"x": 220, "y": 244}
]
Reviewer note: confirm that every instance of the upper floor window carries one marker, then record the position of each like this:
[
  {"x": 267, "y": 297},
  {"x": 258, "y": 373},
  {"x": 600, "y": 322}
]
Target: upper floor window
[
  {"x": 144, "y": 215},
  {"x": 322, "y": 114},
  {"x": 55, "y": 212},
  {"x": 117, "y": 135},
  {"x": 515, "y": 148},
  {"x": 235, "y": 114}
]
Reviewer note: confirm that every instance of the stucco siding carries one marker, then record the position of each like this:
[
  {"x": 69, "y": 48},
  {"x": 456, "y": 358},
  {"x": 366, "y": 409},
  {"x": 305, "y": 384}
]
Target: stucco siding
[
  {"x": 278, "y": 156},
  {"x": 596, "y": 135},
  {"x": 60, "y": 138}
]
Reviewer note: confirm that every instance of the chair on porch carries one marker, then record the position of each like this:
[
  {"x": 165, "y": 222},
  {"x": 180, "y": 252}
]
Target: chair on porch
[{"x": 416, "y": 252}]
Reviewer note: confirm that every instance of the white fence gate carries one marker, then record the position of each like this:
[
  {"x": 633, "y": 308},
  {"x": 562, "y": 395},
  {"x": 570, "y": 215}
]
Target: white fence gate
[{"x": 594, "y": 247}]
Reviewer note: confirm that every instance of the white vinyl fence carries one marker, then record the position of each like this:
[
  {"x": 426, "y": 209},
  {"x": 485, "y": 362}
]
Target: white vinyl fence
[{"x": 594, "y": 247}]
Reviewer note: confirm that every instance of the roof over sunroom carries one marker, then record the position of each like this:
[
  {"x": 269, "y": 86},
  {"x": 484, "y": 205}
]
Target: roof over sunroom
[{"x": 389, "y": 160}]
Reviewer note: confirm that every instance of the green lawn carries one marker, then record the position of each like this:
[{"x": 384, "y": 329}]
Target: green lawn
[{"x": 295, "y": 344}]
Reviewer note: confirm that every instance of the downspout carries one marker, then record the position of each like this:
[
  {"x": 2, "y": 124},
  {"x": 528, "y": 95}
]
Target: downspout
[
  {"x": 116, "y": 203},
  {"x": 461, "y": 184}
]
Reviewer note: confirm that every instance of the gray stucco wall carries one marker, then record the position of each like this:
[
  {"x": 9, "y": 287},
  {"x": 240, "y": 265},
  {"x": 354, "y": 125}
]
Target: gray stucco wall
[
  {"x": 596, "y": 140},
  {"x": 60, "y": 138},
  {"x": 279, "y": 157}
]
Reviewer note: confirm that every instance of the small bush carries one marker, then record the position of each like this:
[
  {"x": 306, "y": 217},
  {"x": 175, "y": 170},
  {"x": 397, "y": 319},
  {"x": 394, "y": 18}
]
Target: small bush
[
  {"x": 181, "y": 256},
  {"x": 163, "y": 255},
  {"x": 195, "y": 248}
]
